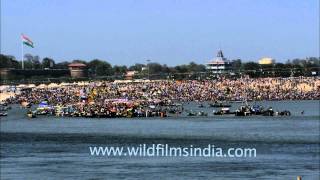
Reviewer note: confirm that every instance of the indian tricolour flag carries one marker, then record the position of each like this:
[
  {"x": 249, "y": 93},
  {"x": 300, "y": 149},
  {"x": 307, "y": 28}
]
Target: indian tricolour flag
[{"x": 27, "y": 41}]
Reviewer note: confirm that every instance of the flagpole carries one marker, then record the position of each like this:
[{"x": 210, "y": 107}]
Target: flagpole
[{"x": 22, "y": 58}]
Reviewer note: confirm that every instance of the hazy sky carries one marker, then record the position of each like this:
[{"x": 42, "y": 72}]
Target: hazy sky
[{"x": 165, "y": 31}]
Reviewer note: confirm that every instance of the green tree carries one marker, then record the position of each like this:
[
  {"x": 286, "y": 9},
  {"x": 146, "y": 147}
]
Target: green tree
[
  {"x": 236, "y": 65},
  {"x": 137, "y": 67},
  {"x": 193, "y": 67},
  {"x": 8, "y": 62},
  {"x": 62, "y": 65},
  {"x": 282, "y": 70},
  {"x": 48, "y": 63},
  {"x": 119, "y": 70},
  {"x": 154, "y": 68},
  {"x": 100, "y": 68},
  {"x": 252, "y": 69}
]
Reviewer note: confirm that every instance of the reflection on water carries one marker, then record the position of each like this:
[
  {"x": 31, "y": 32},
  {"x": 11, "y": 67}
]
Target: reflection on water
[{"x": 54, "y": 147}]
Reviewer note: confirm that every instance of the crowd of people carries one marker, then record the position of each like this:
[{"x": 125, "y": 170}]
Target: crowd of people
[{"x": 152, "y": 97}]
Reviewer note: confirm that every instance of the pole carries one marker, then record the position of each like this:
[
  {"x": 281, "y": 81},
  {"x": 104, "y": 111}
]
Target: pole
[
  {"x": 22, "y": 56},
  {"x": 148, "y": 68}
]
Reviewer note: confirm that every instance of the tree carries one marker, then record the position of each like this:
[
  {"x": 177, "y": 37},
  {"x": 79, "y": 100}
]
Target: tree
[
  {"x": 62, "y": 65},
  {"x": 48, "y": 63},
  {"x": 100, "y": 68},
  {"x": 282, "y": 70},
  {"x": 193, "y": 67},
  {"x": 36, "y": 62},
  {"x": 154, "y": 68},
  {"x": 236, "y": 64},
  {"x": 119, "y": 70},
  {"x": 137, "y": 67},
  {"x": 8, "y": 62},
  {"x": 79, "y": 61},
  {"x": 252, "y": 69}
]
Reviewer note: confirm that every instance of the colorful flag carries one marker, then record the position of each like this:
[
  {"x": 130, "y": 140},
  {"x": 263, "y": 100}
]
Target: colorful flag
[{"x": 27, "y": 41}]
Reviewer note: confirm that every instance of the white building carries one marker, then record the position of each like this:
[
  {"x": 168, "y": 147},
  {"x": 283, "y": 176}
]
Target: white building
[{"x": 219, "y": 65}]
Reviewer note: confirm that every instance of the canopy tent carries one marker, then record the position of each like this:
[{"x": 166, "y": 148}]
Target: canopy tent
[
  {"x": 41, "y": 86},
  {"x": 4, "y": 87},
  {"x": 82, "y": 83},
  {"x": 21, "y": 86},
  {"x": 31, "y": 86},
  {"x": 65, "y": 84},
  {"x": 53, "y": 85}
]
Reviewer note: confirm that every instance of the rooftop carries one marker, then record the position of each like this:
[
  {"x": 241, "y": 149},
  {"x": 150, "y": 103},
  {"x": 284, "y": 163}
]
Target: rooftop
[{"x": 77, "y": 65}]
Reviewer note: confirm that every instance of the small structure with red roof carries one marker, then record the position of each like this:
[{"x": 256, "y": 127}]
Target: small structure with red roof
[{"x": 77, "y": 70}]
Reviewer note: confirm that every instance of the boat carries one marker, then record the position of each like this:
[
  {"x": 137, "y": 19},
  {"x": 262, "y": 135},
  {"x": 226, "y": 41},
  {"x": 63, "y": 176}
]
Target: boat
[
  {"x": 256, "y": 110},
  {"x": 5, "y": 108},
  {"x": 220, "y": 104},
  {"x": 202, "y": 113},
  {"x": 223, "y": 111},
  {"x": 191, "y": 113},
  {"x": 44, "y": 108},
  {"x": 2, "y": 103},
  {"x": 284, "y": 113},
  {"x": 268, "y": 112},
  {"x": 243, "y": 111},
  {"x": 175, "y": 108},
  {"x": 31, "y": 114},
  {"x": 3, "y": 114}
]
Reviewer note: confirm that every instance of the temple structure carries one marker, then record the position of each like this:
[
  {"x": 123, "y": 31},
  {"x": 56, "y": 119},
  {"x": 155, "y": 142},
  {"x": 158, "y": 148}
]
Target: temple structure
[{"x": 219, "y": 65}]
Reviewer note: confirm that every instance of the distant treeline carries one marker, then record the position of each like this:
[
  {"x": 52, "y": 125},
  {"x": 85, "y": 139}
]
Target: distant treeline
[{"x": 97, "y": 68}]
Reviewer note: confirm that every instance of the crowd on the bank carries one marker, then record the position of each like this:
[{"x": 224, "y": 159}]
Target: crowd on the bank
[
  {"x": 304, "y": 88},
  {"x": 109, "y": 97}
]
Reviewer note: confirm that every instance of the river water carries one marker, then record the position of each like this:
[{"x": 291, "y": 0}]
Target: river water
[{"x": 58, "y": 148}]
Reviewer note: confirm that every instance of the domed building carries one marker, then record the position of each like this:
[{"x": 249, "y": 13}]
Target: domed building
[{"x": 219, "y": 65}]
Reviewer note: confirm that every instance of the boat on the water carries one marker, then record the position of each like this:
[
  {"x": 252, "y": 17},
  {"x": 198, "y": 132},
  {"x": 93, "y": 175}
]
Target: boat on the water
[
  {"x": 284, "y": 113},
  {"x": 268, "y": 112},
  {"x": 220, "y": 104},
  {"x": 202, "y": 113},
  {"x": 223, "y": 111},
  {"x": 191, "y": 113},
  {"x": 243, "y": 111},
  {"x": 31, "y": 114},
  {"x": 3, "y": 114},
  {"x": 256, "y": 110}
]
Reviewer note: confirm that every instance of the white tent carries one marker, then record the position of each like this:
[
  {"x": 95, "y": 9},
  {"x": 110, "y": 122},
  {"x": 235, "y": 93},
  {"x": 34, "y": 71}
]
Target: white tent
[
  {"x": 31, "y": 86},
  {"x": 53, "y": 85},
  {"x": 41, "y": 86},
  {"x": 65, "y": 84},
  {"x": 21, "y": 86}
]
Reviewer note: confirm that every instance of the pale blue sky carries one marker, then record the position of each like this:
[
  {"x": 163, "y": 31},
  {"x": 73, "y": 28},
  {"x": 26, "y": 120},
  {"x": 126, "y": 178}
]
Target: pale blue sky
[{"x": 165, "y": 31}]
